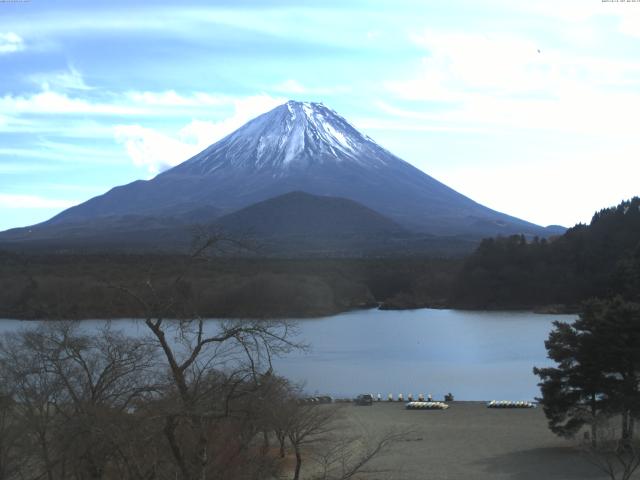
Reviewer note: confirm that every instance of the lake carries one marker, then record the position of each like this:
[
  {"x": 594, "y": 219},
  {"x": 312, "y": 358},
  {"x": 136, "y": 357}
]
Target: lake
[{"x": 475, "y": 355}]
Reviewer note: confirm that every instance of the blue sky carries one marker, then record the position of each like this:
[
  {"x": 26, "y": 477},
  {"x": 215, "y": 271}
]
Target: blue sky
[{"x": 529, "y": 107}]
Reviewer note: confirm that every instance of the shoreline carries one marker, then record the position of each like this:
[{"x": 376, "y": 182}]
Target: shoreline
[{"x": 548, "y": 310}]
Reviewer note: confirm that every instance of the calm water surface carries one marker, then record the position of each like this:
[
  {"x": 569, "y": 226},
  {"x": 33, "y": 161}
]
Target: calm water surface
[{"x": 475, "y": 355}]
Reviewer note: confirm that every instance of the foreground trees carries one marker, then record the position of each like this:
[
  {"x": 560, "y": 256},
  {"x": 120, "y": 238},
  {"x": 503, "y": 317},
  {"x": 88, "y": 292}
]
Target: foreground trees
[
  {"x": 597, "y": 381},
  {"x": 217, "y": 382},
  {"x": 194, "y": 400},
  {"x": 71, "y": 394},
  {"x": 102, "y": 406},
  {"x": 182, "y": 399}
]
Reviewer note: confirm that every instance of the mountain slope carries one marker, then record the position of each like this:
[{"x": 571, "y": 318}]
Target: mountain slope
[
  {"x": 300, "y": 224},
  {"x": 299, "y": 213},
  {"x": 303, "y": 147},
  {"x": 295, "y": 224}
]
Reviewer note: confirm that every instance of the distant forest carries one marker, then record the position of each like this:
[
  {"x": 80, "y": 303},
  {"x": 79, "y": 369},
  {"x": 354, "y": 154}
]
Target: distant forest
[
  {"x": 91, "y": 285},
  {"x": 601, "y": 259}
]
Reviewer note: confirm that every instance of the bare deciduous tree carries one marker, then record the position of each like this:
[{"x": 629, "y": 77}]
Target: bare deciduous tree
[
  {"x": 239, "y": 352},
  {"x": 308, "y": 424},
  {"x": 345, "y": 458},
  {"x": 72, "y": 391},
  {"x": 10, "y": 436},
  {"x": 616, "y": 456}
]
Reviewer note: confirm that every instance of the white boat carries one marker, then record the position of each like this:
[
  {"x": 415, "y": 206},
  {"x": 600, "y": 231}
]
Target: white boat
[
  {"x": 510, "y": 404},
  {"x": 426, "y": 406}
]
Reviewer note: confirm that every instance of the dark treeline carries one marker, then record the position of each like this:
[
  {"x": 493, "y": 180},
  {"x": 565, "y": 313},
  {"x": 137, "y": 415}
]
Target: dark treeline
[
  {"x": 601, "y": 259},
  {"x": 87, "y": 286}
]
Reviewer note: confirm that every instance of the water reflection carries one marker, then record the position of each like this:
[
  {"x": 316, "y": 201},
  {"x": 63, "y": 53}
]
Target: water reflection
[{"x": 475, "y": 355}]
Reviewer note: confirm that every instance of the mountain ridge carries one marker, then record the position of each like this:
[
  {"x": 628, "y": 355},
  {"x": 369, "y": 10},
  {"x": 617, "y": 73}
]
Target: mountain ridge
[{"x": 297, "y": 146}]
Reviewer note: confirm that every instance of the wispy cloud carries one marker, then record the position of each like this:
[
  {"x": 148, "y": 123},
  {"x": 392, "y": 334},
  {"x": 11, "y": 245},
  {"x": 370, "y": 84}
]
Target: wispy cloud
[
  {"x": 515, "y": 82},
  {"x": 630, "y": 23},
  {"x": 545, "y": 180},
  {"x": 10, "y": 42},
  {"x": 69, "y": 79},
  {"x": 56, "y": 103},
  {"x": 36, "y": 112},
  {"x": 152, "y": 149},
  {"x": 33, "y": 201},
  {"x": 42, "y": 152},
  {"x": 579, "y": 13},
  {"x": 60, "y": 154},
  {"x": 12, "y": 167},
  {"x": 402, "y": 119},
  {"x": 170, "y": 98},
  {"x": 60, "y": 102},
  {"x": 74, "y": 128},
  {"x": 292, "y": 86},
  {"x": 157, "y": 151},
  {"x": 198, "y": 118}
]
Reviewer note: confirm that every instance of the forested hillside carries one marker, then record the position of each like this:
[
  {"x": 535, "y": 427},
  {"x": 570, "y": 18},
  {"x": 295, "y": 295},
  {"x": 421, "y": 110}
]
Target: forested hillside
[
  {"x": 596, "y": 260},
  {"x": 90, "y": 286}
]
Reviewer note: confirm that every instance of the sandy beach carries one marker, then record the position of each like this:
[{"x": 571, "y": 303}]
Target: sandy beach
[{"x": 470, "y": 441}]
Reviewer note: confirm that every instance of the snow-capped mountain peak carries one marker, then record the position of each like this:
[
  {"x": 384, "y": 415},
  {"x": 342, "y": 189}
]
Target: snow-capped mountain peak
[
  {"x": 292, "y": 136},
  {"x": 303, "y": 147}
]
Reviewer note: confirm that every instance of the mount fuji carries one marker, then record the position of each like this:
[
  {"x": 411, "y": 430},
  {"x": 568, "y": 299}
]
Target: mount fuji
[{"x": 296, "y": 147}]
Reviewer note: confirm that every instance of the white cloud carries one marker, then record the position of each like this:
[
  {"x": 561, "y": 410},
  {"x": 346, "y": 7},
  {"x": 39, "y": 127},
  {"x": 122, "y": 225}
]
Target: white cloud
[
  {"x": 152, "y": 149},
  {"x": 33, "y": 201},
  {"x": 10, "y": 42},
  {"x": 70, "y": 128},
  {"x": 53, "y": 102},
  {"x": 200, "y": 133},
  {"x": 245, "y": 109},
  {"x": 539, "y": 191},
  {"x": 158, "y": 151},
  {"x": 170, "y": 98},
  {"x": 630, "y": 22},
  {"x": 570, "y": 11},
  {"x": 70, "y": 79},
  {"x": 580, "y": 14},
  {"x": 497, "y": 62},
  {"x": 62, "y": 153},
  {"x": 373, "y": 35},
  {"x": 19, "y": 110},
  {"x": 22, "y": 167},
  {"x": 59, "y": 154},
  {"x": 292, "y": 86},
  {"x": 50, "y": 102},
  {"x": 512, "y": 82},
  {"x": 411, "y": 122}
]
